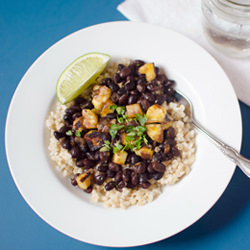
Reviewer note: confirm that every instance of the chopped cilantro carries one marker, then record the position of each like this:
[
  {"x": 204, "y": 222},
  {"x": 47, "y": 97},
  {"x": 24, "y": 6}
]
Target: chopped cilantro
[
  {"x": 69, "y": 133},
  {"x": 117, "y": 147},
  {"x": 141, "y": 118},
  {"x": 114, "y": 128},
  {"x": 78, "y": 133}
]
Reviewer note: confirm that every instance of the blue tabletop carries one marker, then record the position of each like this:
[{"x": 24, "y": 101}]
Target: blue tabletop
[{"x": 27, "y": 29}]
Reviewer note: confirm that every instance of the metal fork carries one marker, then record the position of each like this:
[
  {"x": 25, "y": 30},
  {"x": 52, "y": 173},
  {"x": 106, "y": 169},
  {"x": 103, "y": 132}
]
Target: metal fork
[{"x": 242, "y": 162}]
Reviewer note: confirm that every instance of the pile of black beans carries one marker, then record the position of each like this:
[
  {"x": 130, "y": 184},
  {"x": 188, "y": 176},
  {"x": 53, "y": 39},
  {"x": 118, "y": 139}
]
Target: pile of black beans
[{"x": 128, "y": 87}]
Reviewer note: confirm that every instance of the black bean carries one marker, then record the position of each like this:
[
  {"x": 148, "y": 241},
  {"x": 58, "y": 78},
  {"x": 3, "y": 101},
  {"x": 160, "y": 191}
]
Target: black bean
[
  {"x": 138, "y": 63},
  {"x": 110, "y": 185},
  {"x": 90, "y": 155},
  {"x": 121, "y": 91},
  {"x": 130, "y": 78},
  {"x": 170, "y": 92},
  {"x": 170, "y": 133},
  {"x": 75, "y": 151},
  {"x": 85, "y": 169},
  {"x": 130, "y": 86},
  {"x": 134, "y": 92},
  {"x": 157, "y": 156},
  {"x": 111, "y": 115},
  {"x": 114, "y": 87},
  {"x": 159, "y": 99},
  {"x": 150, "y": 168},
  {"x": 134, "y": 178},
  {"x": 104, "y": 156},
  {"x": 126, "y": 174},
  {"x": 143, "y": 177},
  {"x": 150, "y": 97},
  {"x": 88, "y": 190},
  {"x": 84, "y": 148},
  {"x": 99, "y": 179},
  {"x": 72, "y": 110},
  {"x": 76, "y": 115},
  {"x": 97, "y": 156},
  {"x": 171, "y": 142},
  {"x": 89, "y": 163},
  {"x": 111, "y": 173},
  {"x": 158, "y": 167},
  {"x": 145, "y": 104},
  {"x": 152, "y": 86},
  {"x": 66, "y": 144},
  {"x": 58, "y": 135},
  {"x": 141, "y": 167},
  {"x": 124, "y": 72},
  {"x": 80, "y": 163},
  {"x": 132, "y": 68},
  {"x": 162, "y": 78},
  {"x": 64, "y": 129},
  {"x": 87, "y": 105},
  {"x": 120, "y": 66},
  {"x": 114, "y": 97},
  {"x": 158, "y": 175},
  {"x": 118, "y": 177},
  {"x": 141, "y": 79},
  {"x": 73, "y": 180},
  {"x": 102, "y": 168},
  {"x": 132, "y": 99},
  {"x": 114, "y": 167},
  {"x": 123, "y": 99},
  {"x": 135, "y": 158},
  {"x": 145, "y": 184},
  {"x": 79, "y": 100},
  {"x": 67, "y": 118},
  {"x": 141, "y": 87},
  {"x": 133, "y": 123},
  {"x": 122, "y": 184},
  {"x": 169, "y": 84},
  {"x": 116, "y": 78},
  {"x": 175, "y": 151}
]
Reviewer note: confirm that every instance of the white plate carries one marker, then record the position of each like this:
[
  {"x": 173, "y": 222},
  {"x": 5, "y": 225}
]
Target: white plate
[{"x": 57, "y": 202}]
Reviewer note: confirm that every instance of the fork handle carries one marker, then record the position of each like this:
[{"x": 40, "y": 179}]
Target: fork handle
[{"x": 242, "y": 162}]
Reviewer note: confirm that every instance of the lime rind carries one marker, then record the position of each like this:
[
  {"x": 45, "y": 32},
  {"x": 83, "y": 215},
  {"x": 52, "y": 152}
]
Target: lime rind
[{"x": 79, "y": 75}]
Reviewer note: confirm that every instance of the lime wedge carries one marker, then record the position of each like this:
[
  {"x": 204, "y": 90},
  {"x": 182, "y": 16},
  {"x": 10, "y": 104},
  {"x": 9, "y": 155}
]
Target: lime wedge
[{"x": 79, "y": 75}]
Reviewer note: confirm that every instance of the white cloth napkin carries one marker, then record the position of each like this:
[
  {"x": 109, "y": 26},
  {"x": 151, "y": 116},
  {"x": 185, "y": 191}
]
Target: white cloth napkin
[{"x": 185, "y": 17}]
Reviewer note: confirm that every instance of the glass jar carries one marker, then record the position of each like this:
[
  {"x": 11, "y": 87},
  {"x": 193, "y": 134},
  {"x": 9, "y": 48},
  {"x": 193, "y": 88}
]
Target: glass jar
[{"x": 226, "y": 24}]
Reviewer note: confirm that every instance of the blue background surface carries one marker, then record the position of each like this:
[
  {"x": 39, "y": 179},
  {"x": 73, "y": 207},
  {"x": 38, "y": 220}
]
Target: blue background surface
[{"x": 27, "y": 29}]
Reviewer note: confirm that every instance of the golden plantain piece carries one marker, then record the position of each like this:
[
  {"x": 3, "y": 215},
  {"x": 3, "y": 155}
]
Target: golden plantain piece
[
  {"x": 84, "y": 180},
  {"x": 78, "y": 124},
  {"x": 156, "y": 114},
  {"x": 155, "y": 132},
  {"x": 90, "y": 119},
  {"x": 149, "y": 70},
  {"x": 145, "y": 152},
  {"x": 134, "y": 109},
  {"x": 101, "y": 94},
  {"x": 105, "y": 109},
  {"x": 94, "y": 139},
  {"x": 120, "y": 157}
]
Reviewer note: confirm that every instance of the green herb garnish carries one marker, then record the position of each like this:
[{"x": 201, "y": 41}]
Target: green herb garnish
[
  {"x": 69, "y": 133},
  {"x": 117, "y": 147},
  {"x": 141, "y": 118},
  {"x": 78, "y": 133},
  {"x": 106, "y": 146},
  {"x": 114, "y": 128}
]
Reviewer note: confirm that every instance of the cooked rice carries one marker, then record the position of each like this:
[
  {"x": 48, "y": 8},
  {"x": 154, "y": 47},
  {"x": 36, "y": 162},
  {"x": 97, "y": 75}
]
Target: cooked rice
[{"x": 179, "y": 166}]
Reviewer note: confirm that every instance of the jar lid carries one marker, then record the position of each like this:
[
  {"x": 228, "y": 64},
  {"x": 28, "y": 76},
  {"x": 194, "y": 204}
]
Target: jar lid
[{"x": 241, "y": 2}]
